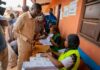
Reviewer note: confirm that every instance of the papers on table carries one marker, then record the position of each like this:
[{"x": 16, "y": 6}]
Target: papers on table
[
  {"x": 38, "y": 63},
  {"x": 47, "y": 40}
]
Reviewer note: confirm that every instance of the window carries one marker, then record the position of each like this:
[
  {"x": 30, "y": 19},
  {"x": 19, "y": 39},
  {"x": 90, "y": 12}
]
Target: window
[{"x": 91, "y": 21}]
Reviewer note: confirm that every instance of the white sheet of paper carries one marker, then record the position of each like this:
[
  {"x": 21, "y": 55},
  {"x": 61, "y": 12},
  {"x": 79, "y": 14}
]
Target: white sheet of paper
[
  {"x": 38, "y": 63},
  {"x": 47, "y": 40},
  {"x": 61, "y": 51}
]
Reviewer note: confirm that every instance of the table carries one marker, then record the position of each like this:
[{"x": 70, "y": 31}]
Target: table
[
  {"x": 39, "y": 63},
  {"x": 40, "y": 49}
]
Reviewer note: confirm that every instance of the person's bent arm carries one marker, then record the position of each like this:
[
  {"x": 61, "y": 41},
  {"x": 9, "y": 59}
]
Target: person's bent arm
[
  {"x": 66, "y": 62},
  {"x": 17, "y": 28},
  {"x": 55, "y": 61}
]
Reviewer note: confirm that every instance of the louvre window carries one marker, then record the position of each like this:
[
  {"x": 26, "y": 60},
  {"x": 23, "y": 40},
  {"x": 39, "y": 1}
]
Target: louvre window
[{"x": 91, "y": 21}]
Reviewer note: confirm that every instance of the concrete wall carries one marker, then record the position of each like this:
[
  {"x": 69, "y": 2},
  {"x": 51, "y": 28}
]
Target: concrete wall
[{"x": 72, "y": 24}]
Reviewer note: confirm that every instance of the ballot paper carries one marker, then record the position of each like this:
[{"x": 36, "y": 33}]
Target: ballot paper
[
  {"x": 38, "y": 63},
  {"x": 41, "y": 61},
  {"x": 61, "y": 51},
  {"x": 47, "y": 40}
]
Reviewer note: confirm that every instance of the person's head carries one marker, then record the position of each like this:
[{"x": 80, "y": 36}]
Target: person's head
[
  {"x": 12, "y": 16},
  {"x": 25, "y": 8},
  {"x": 72, "y": 42},
  {"x": 16, "y": 14},
  {"x": 54, "y": 29},
  {"x": 35, "y": 10},
  {"x": 51, "y": 10}
]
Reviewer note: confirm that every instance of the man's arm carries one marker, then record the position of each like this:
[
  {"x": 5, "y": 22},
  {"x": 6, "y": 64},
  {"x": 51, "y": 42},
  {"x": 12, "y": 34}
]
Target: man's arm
[
  {"x": 3, "y": 22},
  {"x": 17, "y": 28},
  {"x": 39, "y": 24},
  {"x": 67, "y": 62}
]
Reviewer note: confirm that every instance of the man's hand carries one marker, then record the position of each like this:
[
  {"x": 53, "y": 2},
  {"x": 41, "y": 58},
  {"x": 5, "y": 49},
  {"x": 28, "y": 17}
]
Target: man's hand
[
  {"x": 31, "y": 42},
  {"x": 4, "y": 22}
]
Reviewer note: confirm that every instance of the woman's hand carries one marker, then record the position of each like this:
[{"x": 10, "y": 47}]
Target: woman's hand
[
  {"x": 51, "y": 40},
  {"x": 53, "y": 60},
  {"x": 31, "y": 42},
  {"x": 46, "y": 55}
]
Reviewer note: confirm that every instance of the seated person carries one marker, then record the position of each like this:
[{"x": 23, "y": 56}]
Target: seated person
[
  {"x": 56, "y": 40},
  {"x": 45, "y": 38},
  {"x": 70, "y": 59},
  {"x": 53, "y": 39}
]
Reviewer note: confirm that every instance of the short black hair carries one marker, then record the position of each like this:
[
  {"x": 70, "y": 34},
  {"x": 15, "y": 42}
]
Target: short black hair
[
  {"x": 12, "y": 15},
  {"x": 55, "y": 28},
  {"x": 51, "y": 10},
  {"x": 25, "y": 8},
  {"x": 37, "y": 6},
  {"x": 73, "y": 41}
]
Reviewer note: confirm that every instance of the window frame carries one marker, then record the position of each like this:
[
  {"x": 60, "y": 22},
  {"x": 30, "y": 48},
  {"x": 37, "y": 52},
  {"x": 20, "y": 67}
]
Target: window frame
[{"x": 97, "y": 40}]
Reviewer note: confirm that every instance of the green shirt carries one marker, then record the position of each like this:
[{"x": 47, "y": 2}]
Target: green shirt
[{"x": 57, "y": 40}]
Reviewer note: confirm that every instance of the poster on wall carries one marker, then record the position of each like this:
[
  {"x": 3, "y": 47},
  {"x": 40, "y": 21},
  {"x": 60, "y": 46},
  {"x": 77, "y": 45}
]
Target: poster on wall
[
  {"x": 66, "y": 11},
  {"x": 73, "y": 8}
]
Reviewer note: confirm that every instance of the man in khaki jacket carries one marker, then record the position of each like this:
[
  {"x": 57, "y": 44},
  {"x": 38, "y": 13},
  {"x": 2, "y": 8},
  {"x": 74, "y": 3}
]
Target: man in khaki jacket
[{"x": 25, "y": 30}]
